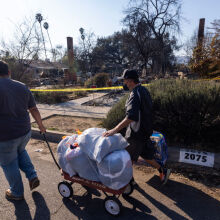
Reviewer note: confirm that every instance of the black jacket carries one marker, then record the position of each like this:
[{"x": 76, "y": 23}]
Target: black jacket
[{"x": 139, "y": 109}]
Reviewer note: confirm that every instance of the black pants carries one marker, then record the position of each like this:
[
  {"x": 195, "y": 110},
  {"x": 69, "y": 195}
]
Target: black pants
[{"x": 143, "y": 148}]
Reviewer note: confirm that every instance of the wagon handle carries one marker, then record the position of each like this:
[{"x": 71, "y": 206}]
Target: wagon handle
[{"x": 51, "y": 152}]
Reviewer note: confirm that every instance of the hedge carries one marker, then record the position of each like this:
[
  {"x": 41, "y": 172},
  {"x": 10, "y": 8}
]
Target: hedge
[
  {"x": 100, "y": 80},
  {"x": 50, "y": 97},
  {"x": 186, "y": 112}
]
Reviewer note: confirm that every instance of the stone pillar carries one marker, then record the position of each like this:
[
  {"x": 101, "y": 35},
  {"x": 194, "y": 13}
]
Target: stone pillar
[
  {"x": 72, "y": 75},
  {"x": 201, "y": 31},
  {"x": 70, "y": 51}
]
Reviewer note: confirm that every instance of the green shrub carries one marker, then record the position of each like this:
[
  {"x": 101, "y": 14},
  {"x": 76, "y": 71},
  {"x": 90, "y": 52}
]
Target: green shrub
[
  {"x": 50, "y": 97},
  {"x": 89, "y": 82},
  {"x": 115, "y": 115},
  {"x": 100, "y": 80},
  {"x": 185, "y": 112},
  {"x": 80, "y": 94}
]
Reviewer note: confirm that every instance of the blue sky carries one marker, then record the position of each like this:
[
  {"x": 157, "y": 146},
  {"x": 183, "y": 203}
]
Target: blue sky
[{"x": 103, "y": 17}]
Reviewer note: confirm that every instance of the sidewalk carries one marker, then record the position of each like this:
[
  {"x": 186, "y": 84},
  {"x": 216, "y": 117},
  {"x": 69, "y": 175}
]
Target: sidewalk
[
  {"x": 75, "y": 108},
  {"x": 90, "y": 97}
]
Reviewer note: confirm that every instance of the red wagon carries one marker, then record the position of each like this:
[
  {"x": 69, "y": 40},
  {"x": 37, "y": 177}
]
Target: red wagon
[{"x": 112, "y": 203}]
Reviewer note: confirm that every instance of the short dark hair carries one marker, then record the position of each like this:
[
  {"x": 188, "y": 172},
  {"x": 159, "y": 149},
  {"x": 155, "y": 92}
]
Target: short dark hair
[{"x": 3, "y": 68}]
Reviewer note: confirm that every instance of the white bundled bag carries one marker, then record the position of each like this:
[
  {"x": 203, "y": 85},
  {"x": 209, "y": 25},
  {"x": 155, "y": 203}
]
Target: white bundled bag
[
  {"x": 81, "y": 164},
  {"x": 72, "y": 153},
  {"x": 115, "y": 170},
  {"x": 96, "y": 146},
  {"x": 61, "y": 151},
  {"x": 74, "y": 161}
]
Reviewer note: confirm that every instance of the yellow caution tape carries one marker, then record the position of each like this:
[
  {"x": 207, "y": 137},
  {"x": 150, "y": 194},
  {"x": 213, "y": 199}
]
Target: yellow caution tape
[
  {"x": 99, "y": 89},
  {"x": 82, "y": 89},
  {"x": 76, "y": 90}
]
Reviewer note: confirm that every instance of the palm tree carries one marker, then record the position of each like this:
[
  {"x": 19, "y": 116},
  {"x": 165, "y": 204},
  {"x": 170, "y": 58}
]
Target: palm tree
[
  {"x": 39, "y": 18},
  {"x": 46, "y": 26}
]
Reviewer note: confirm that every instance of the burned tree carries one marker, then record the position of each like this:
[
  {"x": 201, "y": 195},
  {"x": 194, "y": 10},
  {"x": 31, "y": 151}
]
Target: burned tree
[
  {"x": 150, "y": 22},
  {"x": 23, "y": 48}
]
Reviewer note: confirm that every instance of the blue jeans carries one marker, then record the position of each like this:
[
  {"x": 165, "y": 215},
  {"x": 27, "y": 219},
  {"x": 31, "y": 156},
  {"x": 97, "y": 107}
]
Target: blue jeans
[{"x": 14, "y": 157}]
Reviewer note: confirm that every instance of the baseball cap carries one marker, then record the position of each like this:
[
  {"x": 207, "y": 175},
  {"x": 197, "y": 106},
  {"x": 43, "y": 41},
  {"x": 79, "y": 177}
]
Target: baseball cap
[{"x": 129, "y": 74}]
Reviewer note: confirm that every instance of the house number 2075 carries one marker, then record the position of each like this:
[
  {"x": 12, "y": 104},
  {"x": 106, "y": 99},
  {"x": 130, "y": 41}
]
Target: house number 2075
[{"x": 197, "y": 157}]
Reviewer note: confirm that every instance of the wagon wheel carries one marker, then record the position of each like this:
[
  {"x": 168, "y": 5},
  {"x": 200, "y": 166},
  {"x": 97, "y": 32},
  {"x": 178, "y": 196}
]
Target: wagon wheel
[
  {"x": 112, "y": 205},
  {"x": 128, "y": 190},
  {"x": 65, "y": 189}
]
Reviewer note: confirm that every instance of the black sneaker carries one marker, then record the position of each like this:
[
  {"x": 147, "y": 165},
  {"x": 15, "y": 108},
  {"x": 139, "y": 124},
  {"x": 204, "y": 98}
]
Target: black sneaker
[{"x": 164, "y": 176}]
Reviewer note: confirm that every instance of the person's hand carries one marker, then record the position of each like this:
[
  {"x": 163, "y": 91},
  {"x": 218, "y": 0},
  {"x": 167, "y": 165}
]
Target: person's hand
[
  {"x": 109, "y": 133},
  {"x": 42, "y": 129}
]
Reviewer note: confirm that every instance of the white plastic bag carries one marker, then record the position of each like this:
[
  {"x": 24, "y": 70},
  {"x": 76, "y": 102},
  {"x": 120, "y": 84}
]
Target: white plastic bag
[
  {"x": 71, "y": 140},
  {"x": 61, "y": 151},
  {"x": 72, "y": 153},
  {"x": 115, "y": 170},
  {"x": 83, "y": 165},
  {"x": 69, "y": 169},
  {"x": 96, "y": 146},
  {"x": 74, "y": 161}
]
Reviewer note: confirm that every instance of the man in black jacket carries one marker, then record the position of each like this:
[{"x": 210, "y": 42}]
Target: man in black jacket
[{"x": 138, "y": 121}]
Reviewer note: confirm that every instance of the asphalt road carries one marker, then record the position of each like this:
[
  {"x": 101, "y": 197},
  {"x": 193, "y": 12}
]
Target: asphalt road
[{"x": 177, "y": 200}]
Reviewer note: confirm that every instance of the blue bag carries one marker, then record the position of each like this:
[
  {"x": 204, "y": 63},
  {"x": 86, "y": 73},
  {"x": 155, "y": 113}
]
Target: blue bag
[{"x": 161, "y": 151}]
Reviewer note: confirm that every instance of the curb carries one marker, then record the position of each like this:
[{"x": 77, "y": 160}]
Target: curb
[{"x": 52, "y": 136}]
